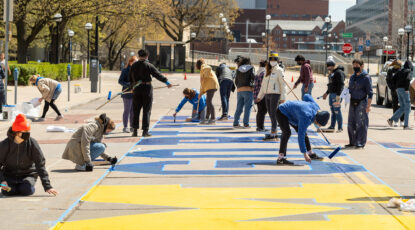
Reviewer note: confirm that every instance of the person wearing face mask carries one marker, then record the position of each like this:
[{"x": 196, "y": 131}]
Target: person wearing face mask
[
  {"x": 299, "y": 115},
  {"x": 191, "y": 96},
  {"x": 50, "y": 90},
  {"x": 391, "y": 79},
  {"x": 262, "y": 107},
  {"x": 334, "y": 89},
  {"x": 274, "y": 91},
  {"x": 306, "y": 76},
  {"x": 22, "y": 161},
  {"x": 86, "y": 144},
  {"x": 361, "y": 93}
]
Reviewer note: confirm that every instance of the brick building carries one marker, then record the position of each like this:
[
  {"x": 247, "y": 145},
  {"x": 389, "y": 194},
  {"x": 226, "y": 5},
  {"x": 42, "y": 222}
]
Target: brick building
[{"x": 297, "y": 9}]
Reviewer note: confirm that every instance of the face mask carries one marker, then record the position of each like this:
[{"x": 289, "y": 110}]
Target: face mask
[
  {"x": 25, "y": 136},
  {"x": 273, "y": 63},
  {"x": 356, "y": 69},
  {"x": 33, "y": 84}
]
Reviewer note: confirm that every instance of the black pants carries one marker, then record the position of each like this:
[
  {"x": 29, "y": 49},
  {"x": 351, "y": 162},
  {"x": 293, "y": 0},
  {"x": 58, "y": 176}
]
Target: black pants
[
  {"x": 395, "y": 102},
  {"x": 210, "y": 109},
  {"x": 286, "y": 133},
  {"x": 23, "y": 186},
  {"x": 142, "y": 99},
  {"x": 54, "y": 107},
  {"x": 2, "y": 98},
  {"x": 260, "y": 116},
  {"x": 272, "y": 101}
]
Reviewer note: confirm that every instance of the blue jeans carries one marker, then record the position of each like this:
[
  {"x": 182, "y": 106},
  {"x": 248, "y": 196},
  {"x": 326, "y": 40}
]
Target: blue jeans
[
  {"x": 336, "y": 113},
  {"x": 358, "y": 124},
  {"x": 57, "y": 93},
  {"x": 405, "y": 106},
  {"x": 96, "y": 149},
  {"x": 225, "y": 93},
  {"x": 310, "y": 89},
  {"x": 245, "y": 100}
]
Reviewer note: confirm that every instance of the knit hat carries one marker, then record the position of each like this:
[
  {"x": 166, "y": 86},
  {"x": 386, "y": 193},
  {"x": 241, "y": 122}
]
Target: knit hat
[
  {"x": 273, "y": 56},
  {"x": 322, "y": 117},
  {"x": 330, "y": 61},
  {"x": 21, "y": 124}
]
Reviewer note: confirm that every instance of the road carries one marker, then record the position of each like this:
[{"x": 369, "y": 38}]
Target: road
[{"x": 189, "y": 176}]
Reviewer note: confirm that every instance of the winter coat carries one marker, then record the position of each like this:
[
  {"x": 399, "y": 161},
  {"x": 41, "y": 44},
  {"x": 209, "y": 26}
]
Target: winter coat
[
  {"x": 224, "y": 73},
  {"x": 336, "y": 81},
  {"x": 208, "y": 79},
  {"x": 274, "y": 84},
  {"x": 245, "y": 77},
  {"x": 306, "y": 74},
  {"x": 404, "y": 76},
  {"x": 360, "y": 87},
  {"x": 22, "y": 160},
  {"x": 193, "y": 101},
  {"x": 78, "y": 148},
  {"x": 300, "y": 114},
  {"x": 124, "y": 81},
  {"x": 47, "y": 87},
  {"x": 391, "y": 78}
]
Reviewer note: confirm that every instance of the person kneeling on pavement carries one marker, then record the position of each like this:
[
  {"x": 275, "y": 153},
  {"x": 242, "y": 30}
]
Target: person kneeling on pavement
[
  {"x": 22, "y": 161},
  {"x": 50, "y": 90},
  {"x": 192, "y": 95},
  {"x": 300, "y": 115},
  {"x": 86, "y": 144}
]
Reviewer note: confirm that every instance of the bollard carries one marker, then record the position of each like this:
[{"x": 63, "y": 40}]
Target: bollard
[
  {"x": 69, "y": 81},
  {"x": 99, "y": 75},
  {"x": 16, "y": 78},
  {"x": 109, "y": 95}
]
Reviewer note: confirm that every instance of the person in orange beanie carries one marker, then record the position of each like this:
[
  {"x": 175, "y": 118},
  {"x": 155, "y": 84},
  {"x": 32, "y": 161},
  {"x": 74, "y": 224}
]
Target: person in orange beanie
[{"x": 22, "y": 161}]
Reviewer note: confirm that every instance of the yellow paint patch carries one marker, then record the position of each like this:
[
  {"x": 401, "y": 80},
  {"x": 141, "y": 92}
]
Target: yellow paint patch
[{"x": 235, "y": 208}]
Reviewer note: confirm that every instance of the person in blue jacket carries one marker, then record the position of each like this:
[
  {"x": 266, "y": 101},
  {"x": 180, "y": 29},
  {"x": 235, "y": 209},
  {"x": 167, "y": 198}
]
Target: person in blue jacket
[
  {"x": 192, "y": 95},
  {"x": 127, "y": 97},
  {"x": 300, "y": 115}
]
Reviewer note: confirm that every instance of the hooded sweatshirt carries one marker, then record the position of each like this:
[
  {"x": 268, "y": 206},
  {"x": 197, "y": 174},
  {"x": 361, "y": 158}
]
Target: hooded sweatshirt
[
  {"x": 306, "y": 74},
  {"x": 300, "y": 114},
  {"x": 224, "y": 73},
  {"x": 360, "y": 87},
  {"x": 245, "y": 77},
  {"x": 22, "y": 160},
  {"x": 336, "y": 81},
  {"x": 208, "y": 79},
  {"x": 404, "y": 76}
]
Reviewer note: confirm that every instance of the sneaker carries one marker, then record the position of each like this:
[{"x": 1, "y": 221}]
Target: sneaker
[
  {"x": 247, "y": 127},
  {"x": 284, "y": 161},
  {"x": 390, "y": 122},
  {"x": 135, "y": 133},
  {"x": 40, "y": 119},
  {"x": 223, "y": 118},
  {"x": 340, "y": 130},
  {"x": 407, "y": 128},
  {"x": 328, "y": 130},
  {"x": 401, "y": 124},
  {"x": 146, "y": 133},
  {"x": 238, "y": 127},
  {"x": 205, "y": 122},
  {"x": 260, "y": 130},
  {"x": 80, "y": 167},
  {"x": 395, "y": 124},
  {"x": 131, "y": 130},
  {"x": 125, "y": 130},
  {"x": 359, "y": 147},
  {"x": 269, "y": 137},
  {"x": 315, "y": 157},
  {"x": 211, "y": 122},
  {"x": 59, "y": 118},
  {"x": 349, "y": 146}
]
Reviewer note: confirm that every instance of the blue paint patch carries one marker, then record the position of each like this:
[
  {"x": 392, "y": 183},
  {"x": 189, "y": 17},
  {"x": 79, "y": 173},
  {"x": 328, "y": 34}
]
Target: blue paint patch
[
  {"x": 206, "y": 140},
  {"x": 316, "y": 168},
  {"x": 390, "y": 145},
  {"x": 412, "y": 152}
]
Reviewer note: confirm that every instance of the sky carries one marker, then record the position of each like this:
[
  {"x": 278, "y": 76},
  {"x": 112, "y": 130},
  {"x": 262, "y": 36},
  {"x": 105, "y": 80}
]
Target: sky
[{"x": 337, "y": 8}]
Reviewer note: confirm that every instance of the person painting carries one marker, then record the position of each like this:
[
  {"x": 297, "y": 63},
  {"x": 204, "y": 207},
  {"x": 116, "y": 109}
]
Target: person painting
[
  {"x": 208, "y": 84},
  {"x": 273, "y": 91},
  {"x": 127, "y": 97},
  {"x": 361, "y": 93},
  {"x": 86, "y": 144},
  {"x": 299, "y": 115},
  {"x": 22, "y": 161},
  {"x": 225, "y": 78},
  {"x": 192, "y": 96},
  {"x": 306, "y": 76},
  {"x": 50, "y": 90},
  {"x": 142, "y": 72}
]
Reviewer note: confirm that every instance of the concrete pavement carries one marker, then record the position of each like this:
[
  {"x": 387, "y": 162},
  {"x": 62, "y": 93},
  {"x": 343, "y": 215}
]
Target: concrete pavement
[{"x": 189, "y": 176}]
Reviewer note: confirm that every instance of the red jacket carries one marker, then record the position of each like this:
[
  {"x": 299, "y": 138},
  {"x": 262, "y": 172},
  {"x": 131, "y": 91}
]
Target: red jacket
[{"x": 306, "y": 74}]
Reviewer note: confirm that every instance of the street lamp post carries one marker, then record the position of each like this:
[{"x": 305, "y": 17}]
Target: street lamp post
[
  {"x": 88, "y": 28},
  {"x": 225, "y": 25},
  {"x": 328, "y": 21},
  {"x": 401, "y": 33},
  {"x": 193, "y": 36},
  {"x": 408, "y": 30},
  {"x": 57, "y": 18},
  {"x": 70, "y": 34},
  {"x": 268, "y": 17}
]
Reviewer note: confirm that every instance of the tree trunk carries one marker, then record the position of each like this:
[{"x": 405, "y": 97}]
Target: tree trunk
[{"x": 22, "y": 45}]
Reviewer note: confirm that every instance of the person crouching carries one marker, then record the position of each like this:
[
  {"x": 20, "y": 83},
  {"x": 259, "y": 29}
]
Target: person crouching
[
  {"x": 86, "y": 144},
  {"x": 199, "y": 106}
]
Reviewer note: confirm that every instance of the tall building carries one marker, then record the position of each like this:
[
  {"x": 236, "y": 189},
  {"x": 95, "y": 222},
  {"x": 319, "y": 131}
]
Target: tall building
[
  {"x": 297, "y": 9},
  {"x": 252, "y": 4}
]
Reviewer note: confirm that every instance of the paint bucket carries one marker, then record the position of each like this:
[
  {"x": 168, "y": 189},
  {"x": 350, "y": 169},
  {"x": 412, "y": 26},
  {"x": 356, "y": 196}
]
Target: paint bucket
[{"x": 8, "y": 111}]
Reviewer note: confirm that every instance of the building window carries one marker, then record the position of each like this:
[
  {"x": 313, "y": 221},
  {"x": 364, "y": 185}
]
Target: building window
[
  {"x": 285, "y": 45},
  {"x": 300, "y": 39},
  {"x": 285, "y": 39}
]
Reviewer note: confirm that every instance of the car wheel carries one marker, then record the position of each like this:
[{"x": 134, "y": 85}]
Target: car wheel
[
  {"x": 379, "y": 99},
  {"x": 388, "y": 102}
]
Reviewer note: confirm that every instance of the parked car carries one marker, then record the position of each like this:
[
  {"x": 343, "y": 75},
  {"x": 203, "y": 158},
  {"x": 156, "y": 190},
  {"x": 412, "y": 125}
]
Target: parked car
[{"x": 383, "y": 93}]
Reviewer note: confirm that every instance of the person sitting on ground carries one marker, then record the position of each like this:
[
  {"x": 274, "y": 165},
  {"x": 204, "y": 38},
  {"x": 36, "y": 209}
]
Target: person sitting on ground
[
  {"x": 22, "y": 161},
  {"x": 192, "y": 95},
  {"x": 273, "y": 91},
  {"x": 50, "y": 90},
  {"x": 86, "y": 144},
  {"x": 300, "y": 115}
]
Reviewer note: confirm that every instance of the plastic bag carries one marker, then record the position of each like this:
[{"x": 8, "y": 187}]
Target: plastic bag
[
  {"x": 59, "y": 129},
  {"x": 345, "y": 96},
  {"x": 35, "y": 102}
]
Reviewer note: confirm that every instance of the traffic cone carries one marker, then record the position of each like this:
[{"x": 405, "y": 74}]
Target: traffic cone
[
  {"x": 315, "y": 80},
  {"x": 185, "y": 76},
  {"x": 292, "y": 78}
]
